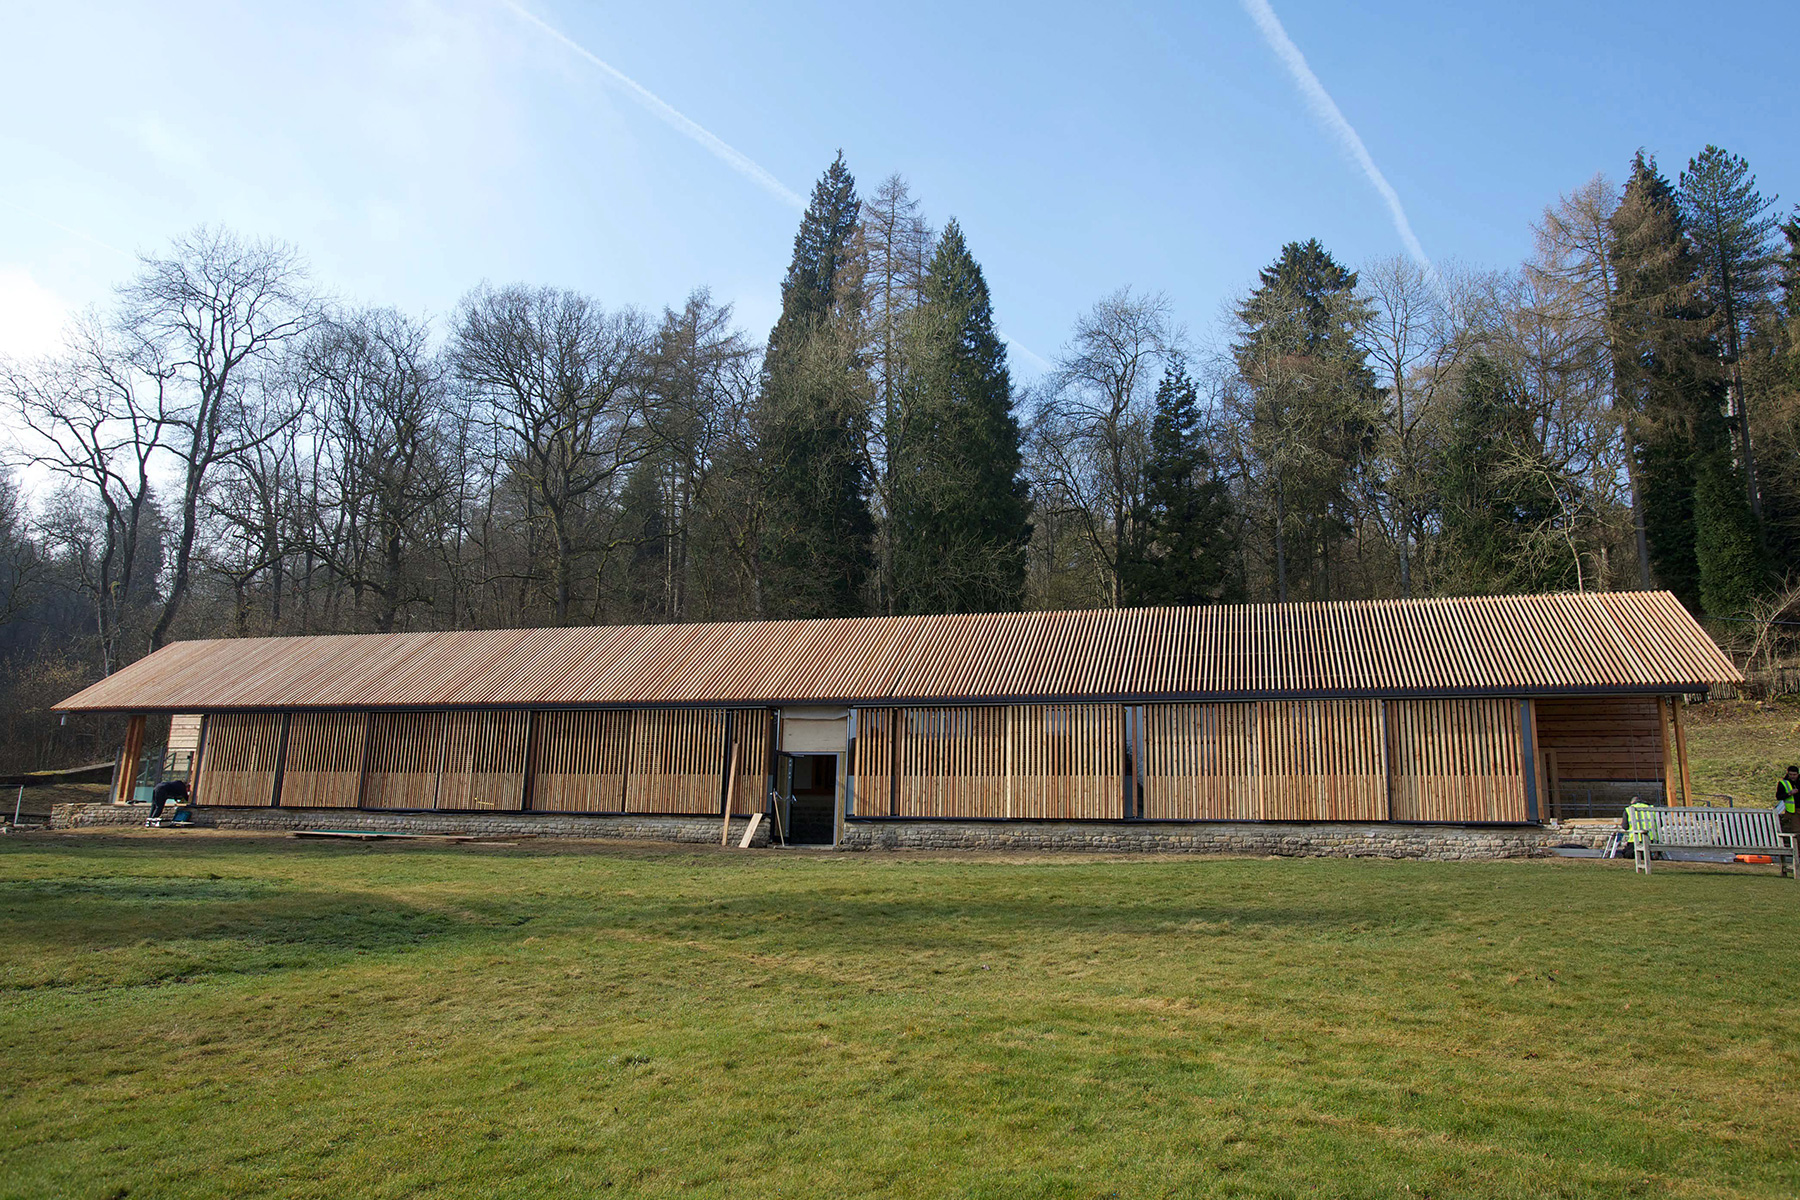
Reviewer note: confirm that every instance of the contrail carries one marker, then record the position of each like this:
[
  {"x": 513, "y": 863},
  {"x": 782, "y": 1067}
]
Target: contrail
[
  {"x": 719, "y": 149},
  {"x": 1327, "y": 111},
  {"x": 1020, "y": 348},
  {"x": 681, "y": 123},
  {"x": 86, "y": 237}
]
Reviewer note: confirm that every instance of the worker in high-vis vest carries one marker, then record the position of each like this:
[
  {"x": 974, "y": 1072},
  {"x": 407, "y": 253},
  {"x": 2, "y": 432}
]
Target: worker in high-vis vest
[
  {"x": 1640, "y": 822},
  {"x": 1785, "y": 789}
]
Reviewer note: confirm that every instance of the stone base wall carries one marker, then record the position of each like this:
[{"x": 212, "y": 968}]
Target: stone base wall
[
  {"x": 650, "y": 827},
  {"x": 1435, "y": 842}
]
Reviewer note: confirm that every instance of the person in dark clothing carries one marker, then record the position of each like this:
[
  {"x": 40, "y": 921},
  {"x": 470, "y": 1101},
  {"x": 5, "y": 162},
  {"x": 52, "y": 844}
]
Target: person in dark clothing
[
  {"x": 173, "y": 789},
  {"x": 1785, "y": 789}
]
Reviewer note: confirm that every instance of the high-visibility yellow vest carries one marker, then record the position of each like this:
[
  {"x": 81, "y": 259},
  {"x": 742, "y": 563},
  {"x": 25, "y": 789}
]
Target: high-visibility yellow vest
[
  {"x": 1639, "y": 822},
  {"x": 1785, "y": 791}
]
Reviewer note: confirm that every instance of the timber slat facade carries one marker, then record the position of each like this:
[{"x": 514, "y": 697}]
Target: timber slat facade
[{"x": 1461, "y": 711}]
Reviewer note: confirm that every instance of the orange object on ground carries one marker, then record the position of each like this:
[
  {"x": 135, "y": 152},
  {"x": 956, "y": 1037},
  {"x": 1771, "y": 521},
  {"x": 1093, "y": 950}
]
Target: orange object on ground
[{"x": 1754, "y": 858}]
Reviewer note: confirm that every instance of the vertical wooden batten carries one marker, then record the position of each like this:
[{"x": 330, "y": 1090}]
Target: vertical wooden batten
[{"x": 1387, "y": 757}]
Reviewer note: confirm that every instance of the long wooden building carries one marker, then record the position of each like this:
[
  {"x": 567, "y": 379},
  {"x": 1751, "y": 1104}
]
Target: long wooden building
[{"x": 1488, "y": 710}]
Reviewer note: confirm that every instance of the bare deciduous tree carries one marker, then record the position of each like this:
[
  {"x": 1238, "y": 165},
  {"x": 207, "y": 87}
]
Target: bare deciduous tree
[
  {"x": 378, "y": 392},
  {"x": 97, "y": 416},
  {"x": 215, "y": 312},
  {"x": 563, "y": 381},
  {"x": 1421, "y": 329},
  {"x": 1091, "y": 429}
]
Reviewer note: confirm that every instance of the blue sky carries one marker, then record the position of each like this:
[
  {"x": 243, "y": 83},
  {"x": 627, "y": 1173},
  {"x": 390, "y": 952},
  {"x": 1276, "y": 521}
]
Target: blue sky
[{"x": 412, "y": 148}]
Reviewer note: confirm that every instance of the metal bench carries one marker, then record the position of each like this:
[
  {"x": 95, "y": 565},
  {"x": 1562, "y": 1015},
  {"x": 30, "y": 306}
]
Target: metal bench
[{"x": 1738, "y": 830}]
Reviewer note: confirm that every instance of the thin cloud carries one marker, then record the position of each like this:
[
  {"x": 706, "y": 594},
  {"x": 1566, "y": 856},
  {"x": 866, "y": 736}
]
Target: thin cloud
[
  {"x": 1326, "y": 109},
  {"x": 732, "y": 158}
]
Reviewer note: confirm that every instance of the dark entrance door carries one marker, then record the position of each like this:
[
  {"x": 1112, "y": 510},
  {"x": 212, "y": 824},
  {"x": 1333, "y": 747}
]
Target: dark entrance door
[{"x": 812, "y": 812}]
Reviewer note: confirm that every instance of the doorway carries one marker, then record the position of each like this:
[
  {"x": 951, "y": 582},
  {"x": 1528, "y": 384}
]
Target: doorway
[{"x": 809, "y": 795}]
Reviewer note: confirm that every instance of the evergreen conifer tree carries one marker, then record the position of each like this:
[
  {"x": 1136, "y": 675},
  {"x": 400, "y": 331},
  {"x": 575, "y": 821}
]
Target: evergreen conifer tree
[
  {"x": 1654, "y": 368},
  {"x": 1185, "y": 551},
  {"x": 1500, "y": 502},
  {"x": 1730, "y": 224},
  {"x": 1727, "y": 546},
  {"x": 1667, "y": 370},
  {"x": 1774, "y": 357},
  {"x": 1313, "y": 408},
  {"x": 814, "y": 402},
  {"x": 961, "y": 508}
]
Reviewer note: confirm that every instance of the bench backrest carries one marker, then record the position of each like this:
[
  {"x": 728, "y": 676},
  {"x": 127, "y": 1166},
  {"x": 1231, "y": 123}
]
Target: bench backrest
[{"x": 1738, "y": 827}]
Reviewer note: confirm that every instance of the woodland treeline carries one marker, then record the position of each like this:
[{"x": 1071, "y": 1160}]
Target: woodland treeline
[{"x": 231, "y": 455}]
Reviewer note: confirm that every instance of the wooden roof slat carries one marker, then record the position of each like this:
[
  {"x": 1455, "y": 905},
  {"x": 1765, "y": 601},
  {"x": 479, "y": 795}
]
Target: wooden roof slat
[{"x": 1496, "y": 644}]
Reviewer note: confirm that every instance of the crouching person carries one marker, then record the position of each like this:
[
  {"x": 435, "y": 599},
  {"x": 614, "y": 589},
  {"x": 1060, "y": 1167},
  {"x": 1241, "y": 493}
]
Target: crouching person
[{"x": 173, "y": 789}]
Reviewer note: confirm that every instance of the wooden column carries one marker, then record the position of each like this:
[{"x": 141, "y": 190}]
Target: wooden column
[
  {"x": 1529, "y": 757},
  {"x": 128, "y": 762},
  {"x": 1681, "y": 755},
  {"x": 1671, "y": 766},
  {"x": 1553, "y": 783},
  {"x": 287, "y": 723},
  {"x": 731, "y": 790},
  {"x": 199, "y": 758}
]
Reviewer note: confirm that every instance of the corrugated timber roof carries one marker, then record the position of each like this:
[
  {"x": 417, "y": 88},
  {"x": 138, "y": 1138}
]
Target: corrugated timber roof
[{"x": 1494, "y": 645}]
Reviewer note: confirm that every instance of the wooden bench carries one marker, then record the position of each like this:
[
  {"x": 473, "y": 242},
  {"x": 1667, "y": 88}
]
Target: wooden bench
[{"x": 1738, "y": 830}]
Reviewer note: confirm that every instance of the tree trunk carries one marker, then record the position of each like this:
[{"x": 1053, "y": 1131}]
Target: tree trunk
[
  {"x": 1737, "y": 400},
  {"x": 1281, "y": 588},
  {"x": 184, "y": 555}
]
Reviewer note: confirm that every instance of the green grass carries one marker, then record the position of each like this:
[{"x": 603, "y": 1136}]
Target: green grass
[
  {"x": 1740, "y": 749},
  {"x": 218, "y": 1015}
]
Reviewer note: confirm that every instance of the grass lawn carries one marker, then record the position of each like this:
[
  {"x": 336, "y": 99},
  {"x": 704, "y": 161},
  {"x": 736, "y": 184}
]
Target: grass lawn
[
  {"x": 194, "y": 1014},
  {"x": 1740, "y": 749}
]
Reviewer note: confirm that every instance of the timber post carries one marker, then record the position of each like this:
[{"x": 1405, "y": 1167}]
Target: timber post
[{"x": 126, "y": 782}]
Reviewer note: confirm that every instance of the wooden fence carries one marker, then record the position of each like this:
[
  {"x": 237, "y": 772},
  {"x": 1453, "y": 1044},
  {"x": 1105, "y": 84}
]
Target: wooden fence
[{"x": 404, "y": 752}]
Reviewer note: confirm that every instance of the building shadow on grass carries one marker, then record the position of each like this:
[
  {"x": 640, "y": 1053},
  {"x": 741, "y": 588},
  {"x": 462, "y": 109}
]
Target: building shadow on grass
[{"x": 127, "y": 930}]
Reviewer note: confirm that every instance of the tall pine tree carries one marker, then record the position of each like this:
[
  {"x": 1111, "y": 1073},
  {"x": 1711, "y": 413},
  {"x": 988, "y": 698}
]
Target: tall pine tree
[
  {"x": 1773, "y": 359},
  {"x": 1729, "y": 222},
  {"x": 810, "y": 419},
  {"x": 960, "y": 520},
  {"x": 1667, "y": 371},
  {"x": 1185, "y": 550},
  {"x": 1313, "y": 409}
]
